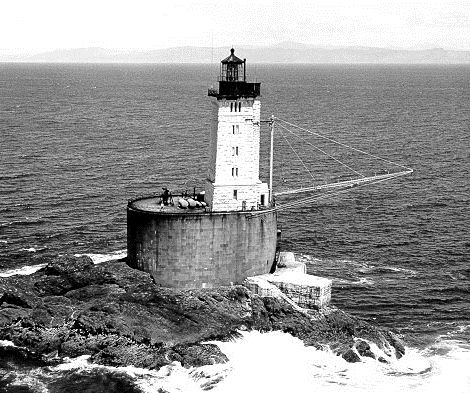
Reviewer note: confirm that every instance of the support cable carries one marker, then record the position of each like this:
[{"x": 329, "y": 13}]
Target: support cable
[
  {"x": 347, "y": 183},
  {"x": 295, "y": 152},
  {"x": 324, "y": 152},
  {"x": 326, "y": 195},
  {"x": 344, "y": 186},
  {"x": 343, "y": 144}
]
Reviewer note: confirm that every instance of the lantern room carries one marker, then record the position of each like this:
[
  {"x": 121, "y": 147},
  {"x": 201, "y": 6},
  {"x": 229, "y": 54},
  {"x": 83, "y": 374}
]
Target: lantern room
[
  {"x": 232, "y": 80},
  {"x": 232, "y": 68}
]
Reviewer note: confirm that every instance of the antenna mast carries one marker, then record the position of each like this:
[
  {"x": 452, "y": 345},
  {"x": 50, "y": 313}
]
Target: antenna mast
[{"x": 271, "y": 160}]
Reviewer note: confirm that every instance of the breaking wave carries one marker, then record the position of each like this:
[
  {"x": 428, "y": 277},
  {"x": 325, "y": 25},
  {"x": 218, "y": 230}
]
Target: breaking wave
[
  {"x": 23, "y": 271},
  {"x": 100, "y": 258},
  {"x": 275, "y": 362},
  {"x": 30, "y": 269}
]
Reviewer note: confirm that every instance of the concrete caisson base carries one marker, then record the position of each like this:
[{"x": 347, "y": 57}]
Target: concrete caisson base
[{"x": 201, "y": 249}]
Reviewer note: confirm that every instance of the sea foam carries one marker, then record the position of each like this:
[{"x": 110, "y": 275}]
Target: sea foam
[
  {"x": 23, "y": 271},
  {"x": 100, "y": 258},
  {"x": 30, "y": 269},
  {"x": 7, "y": 343},
  {"x": 278, "y": 362}
]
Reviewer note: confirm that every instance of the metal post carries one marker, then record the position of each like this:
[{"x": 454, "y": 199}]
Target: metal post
[{"x": 271, "y": 126}]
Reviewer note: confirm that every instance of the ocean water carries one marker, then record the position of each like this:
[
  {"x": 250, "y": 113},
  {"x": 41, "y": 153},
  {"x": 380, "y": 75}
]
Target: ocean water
[{"x": 77, "y": 141}]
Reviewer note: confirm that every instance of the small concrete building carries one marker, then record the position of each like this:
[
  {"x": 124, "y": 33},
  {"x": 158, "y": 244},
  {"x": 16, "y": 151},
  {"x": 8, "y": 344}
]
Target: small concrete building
[{"x": 232, "y": 233}]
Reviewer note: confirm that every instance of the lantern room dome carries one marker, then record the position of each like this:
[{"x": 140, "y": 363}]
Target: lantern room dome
[{"x": 232, "y": 58}]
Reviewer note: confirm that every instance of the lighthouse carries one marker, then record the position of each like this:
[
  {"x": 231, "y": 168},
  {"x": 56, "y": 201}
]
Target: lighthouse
[
  {"x": 233, "y": 235},
  {"x": 233, "y": 182}
]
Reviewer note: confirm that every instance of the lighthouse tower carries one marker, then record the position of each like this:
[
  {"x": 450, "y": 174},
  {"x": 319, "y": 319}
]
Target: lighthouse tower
[{"x": 233, "y": 182}]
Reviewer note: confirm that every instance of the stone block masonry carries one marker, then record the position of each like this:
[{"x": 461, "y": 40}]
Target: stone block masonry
[
  {"x": 305, "y": 290},
  {"x": 201, "y": 250},
  {"x": 233, "y": 175}
]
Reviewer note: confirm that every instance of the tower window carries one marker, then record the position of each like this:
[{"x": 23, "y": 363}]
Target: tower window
[
  {"x": 234, "y": 172},
  {"x": 235, "y": 129},
  {"x": 231, "y": 107},
  {"x": 239, "y": 107},
  {"x": 234, "y": 150},
  {"x": 235, "y": 194}
]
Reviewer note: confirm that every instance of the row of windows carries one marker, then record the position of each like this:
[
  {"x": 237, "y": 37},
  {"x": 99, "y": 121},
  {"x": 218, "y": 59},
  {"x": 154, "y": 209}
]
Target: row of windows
[
  {"x": 262, "y": 197},
  {"x": 239, "y": 103},
  {"x": 235, "y": 105}
]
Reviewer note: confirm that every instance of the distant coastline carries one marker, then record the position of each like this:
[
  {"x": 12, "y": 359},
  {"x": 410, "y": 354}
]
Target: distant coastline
[{"x": 284, "y": 53}]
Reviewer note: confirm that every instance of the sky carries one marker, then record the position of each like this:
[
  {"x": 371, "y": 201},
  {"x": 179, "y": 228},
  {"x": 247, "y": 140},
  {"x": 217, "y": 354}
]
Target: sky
[{"x": 33, "y": 26}]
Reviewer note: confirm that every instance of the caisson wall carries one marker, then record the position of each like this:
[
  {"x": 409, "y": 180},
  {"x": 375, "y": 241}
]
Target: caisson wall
[{"x": 194, "y": 249}]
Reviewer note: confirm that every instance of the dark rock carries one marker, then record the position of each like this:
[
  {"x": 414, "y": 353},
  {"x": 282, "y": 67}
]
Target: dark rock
[
  {"x": 363, "y": 348},
  {"x": 94, "y": 381},
  {"x": 9, "y": 315},
  {"x": 16, "y": 291},
  {"x": 197, "y": 354},
  {"x": 65, "y": 265},
  {"x": 13, "y": 299},
  {"x": 62, "y": 276},
  {"x": 396, "y": 343},
  {"x": 347, "y": 326},
  {"x": 120, "y": 317},
  {"x": 351, "y": 357},
  {"x": 12, "y": 357}
]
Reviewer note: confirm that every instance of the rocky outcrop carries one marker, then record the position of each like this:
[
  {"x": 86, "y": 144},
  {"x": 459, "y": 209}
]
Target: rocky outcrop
[{"x": 120, "y": 317}]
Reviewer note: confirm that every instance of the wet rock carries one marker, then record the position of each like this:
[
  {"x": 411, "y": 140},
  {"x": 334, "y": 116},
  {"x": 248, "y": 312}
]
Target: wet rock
[
  {"x": 12, "y": 357},
  {"x": 363, "y": 348},
  {"x": 351, "y": 357},
  {"x": 95, "y": 381},
  {"x": 16, "y": 292},
  {"x": 9, "y": 315},
  {"x": 197, "y": 355},
  {"x": 396, "y": 343},
  {"x": 120, "y": 317},
  {"x": 65, "y": 265}
]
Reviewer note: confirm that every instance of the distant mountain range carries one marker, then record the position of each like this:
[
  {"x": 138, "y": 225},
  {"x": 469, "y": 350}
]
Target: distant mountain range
[{"x": 284, "y": 53}]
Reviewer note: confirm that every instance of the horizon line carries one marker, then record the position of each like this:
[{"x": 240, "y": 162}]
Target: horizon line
[{"x": 31, "y": 52}]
